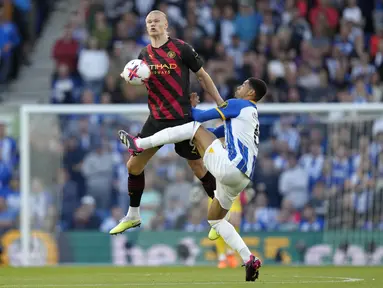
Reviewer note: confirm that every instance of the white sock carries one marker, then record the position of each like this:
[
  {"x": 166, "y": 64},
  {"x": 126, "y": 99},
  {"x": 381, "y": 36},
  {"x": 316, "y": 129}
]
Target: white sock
[
  {"x": 231, "y": 237},
  {"x": 169, "y": 135},
  {"x": 133, "y": 213}
]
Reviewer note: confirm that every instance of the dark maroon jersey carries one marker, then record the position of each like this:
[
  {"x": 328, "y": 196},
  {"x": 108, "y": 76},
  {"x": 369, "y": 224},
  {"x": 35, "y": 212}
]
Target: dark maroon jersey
[{"x": 169, "y": 82}]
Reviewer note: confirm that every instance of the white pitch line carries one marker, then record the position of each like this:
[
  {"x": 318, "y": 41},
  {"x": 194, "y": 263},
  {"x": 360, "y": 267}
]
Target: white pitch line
[{"x": 334, "y": 280}]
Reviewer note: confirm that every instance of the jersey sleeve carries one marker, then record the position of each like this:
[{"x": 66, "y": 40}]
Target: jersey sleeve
[
  {"x": 228, "y": 109},
  {"x": 231, "y": 108},
  {"x": 191, "y": 58}
]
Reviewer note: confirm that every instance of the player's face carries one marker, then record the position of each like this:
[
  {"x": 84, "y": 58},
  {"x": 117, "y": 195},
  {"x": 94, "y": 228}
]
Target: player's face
[
  {"x": 243, "y": 90},
  {"x": 156, "y": 24}
]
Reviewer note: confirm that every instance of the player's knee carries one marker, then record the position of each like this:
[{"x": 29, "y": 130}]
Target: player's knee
[
  {"x": 198, "y": 167},
  {"x": 134, "y": 167}
]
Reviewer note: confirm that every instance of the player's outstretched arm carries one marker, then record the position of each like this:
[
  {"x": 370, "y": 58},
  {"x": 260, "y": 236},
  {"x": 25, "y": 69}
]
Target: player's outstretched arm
[
  {"x": 209, "y": 86},
  {"x": 227, "y": 110}
]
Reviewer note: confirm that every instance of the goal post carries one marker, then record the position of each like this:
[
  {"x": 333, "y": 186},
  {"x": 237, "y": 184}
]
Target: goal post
[{"x": 329, "y": 115}]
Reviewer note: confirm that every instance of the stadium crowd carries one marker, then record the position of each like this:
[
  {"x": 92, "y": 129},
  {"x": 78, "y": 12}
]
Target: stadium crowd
[
  {"x": 306, "y": 50},
  {"x": 21, "y": 23}
]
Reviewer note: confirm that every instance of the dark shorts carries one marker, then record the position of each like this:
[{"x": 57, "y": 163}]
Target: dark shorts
[{"x": 184, "y": 149}]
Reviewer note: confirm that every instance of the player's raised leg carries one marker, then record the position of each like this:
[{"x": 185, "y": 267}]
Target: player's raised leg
[
  {"x": 170, "y": 135},
  {"x": 175, "y": 134}
]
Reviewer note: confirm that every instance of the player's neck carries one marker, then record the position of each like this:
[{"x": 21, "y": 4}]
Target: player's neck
[{"x": 159, "y": 40}]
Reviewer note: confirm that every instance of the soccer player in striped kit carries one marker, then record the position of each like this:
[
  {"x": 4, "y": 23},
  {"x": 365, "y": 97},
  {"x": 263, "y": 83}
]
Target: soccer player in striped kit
[
  {"x": 233, "y": 165},
  {"x": 170, "y": 61}
]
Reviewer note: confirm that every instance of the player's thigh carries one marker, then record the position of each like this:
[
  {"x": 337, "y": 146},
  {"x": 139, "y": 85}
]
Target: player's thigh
[
  {"x": 203, "y": 139},
  {"x": 217, "y": 161},
  {"x": 136, "y": 164}
]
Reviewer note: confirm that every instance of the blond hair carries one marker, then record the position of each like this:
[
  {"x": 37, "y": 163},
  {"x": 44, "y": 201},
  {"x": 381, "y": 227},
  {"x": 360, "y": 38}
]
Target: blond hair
[{"x": 158, "y": 12}]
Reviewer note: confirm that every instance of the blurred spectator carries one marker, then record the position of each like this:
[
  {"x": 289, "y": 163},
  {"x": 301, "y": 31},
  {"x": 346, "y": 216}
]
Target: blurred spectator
[
  {"x": 317, "y": 200},
  {"x": 68, "y": 197},
  {"x": 173, "y": 209},
  {"x": 267, "y": 182},
  {"x": 324, "y": 12},
  {"x": 5, "y": 173},
  {"x": 196, "y": 220},
  {"x": 265, "y": 215},
  {"x": 313, "y": 163},
  {"x": 247, "y": 23},
  {"x": 63, "y": 86},
  {"x": 85, "y": 217},
  {"x": 65, "y": 51},
  {"x": 112, "y": 87},
  {"x": 150, "y": 202},
  {"x": 180, "y": 186},
  {"x": 11, "y": 194},
  {"x": 120, "y": 183},
  {"x": 310, "y": 222},
  {"x": 112, "y": 220},
  {"x": 9, "y": 40},
  {"x": 98, "y": 172},
  {"x": 73, "y": 159},
  {"x": 93, "y": 65},
  {"x": 101, "y": 30},
  {"x": 293, "y": 184}
]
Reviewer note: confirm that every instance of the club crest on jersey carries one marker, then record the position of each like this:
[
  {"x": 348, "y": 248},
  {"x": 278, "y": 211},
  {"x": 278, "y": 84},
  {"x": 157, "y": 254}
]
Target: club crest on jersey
[{"x": 171, "y": 54}]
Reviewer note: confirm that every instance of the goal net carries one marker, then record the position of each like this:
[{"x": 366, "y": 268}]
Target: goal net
[{"x": 319, "y": 181}]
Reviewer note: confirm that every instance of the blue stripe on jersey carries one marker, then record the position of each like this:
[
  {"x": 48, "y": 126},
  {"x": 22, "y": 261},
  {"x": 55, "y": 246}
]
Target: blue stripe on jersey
[
  {"x": 253, "y": 167},
  {"x": 242, "y": 165},
  {"x": 230, "y": 141}
]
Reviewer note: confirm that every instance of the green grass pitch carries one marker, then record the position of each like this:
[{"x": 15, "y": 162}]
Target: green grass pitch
[{"x": 201, "y": 277}]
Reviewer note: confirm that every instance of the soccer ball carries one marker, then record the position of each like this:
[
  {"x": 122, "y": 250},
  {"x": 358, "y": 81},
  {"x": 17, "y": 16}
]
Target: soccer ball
[{"x": 136, "y": 72}]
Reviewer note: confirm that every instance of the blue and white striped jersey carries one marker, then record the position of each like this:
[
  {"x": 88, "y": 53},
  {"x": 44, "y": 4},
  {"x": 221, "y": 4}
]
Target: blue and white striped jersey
[{"x": 241, "y": 128}]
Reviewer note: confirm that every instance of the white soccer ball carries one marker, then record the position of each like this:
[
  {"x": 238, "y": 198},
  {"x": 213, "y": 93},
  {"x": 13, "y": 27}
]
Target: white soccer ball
[{"x": 136, "y": 72}]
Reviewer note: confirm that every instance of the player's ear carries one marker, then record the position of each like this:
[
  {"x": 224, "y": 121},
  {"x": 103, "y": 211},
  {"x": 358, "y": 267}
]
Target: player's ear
[{"x": 252, "y": 93}]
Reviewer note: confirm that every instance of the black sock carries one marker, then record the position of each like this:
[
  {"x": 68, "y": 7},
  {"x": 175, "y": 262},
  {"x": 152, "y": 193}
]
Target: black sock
[
  {"x": 208, "y": 183},
  {"x": 136, "y": 186}
]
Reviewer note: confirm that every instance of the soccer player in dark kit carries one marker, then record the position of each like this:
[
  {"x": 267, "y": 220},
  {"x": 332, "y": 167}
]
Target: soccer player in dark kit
[{"x": 169, "y": 103}]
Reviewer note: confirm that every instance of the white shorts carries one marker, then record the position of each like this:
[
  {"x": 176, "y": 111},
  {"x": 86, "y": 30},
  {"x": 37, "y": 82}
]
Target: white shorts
[{"x": 230, "y": 181}]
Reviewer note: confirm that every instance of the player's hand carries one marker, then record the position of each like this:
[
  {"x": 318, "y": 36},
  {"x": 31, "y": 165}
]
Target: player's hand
[{"x": 194, "y": 99}]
